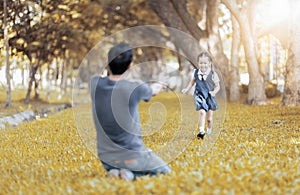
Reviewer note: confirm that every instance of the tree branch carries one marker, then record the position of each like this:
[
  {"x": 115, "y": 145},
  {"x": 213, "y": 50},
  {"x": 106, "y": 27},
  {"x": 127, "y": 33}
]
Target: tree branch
[
  {"x": 188, "y": 20},
  {"x": 233, "y": 8}
]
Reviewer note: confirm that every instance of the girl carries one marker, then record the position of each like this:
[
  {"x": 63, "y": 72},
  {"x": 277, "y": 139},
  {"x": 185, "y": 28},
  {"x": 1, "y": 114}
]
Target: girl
[{"x": 207, "y": 85}]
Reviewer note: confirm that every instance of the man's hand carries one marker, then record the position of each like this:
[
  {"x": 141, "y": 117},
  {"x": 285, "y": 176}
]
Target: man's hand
[
  {"x": 184, "y": 90},
  {"x": 156, "y": 88}
]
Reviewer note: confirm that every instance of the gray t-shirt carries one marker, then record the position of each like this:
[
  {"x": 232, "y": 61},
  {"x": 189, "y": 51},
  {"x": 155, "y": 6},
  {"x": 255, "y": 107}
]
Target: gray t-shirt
[{"x": 116, "y": 117}]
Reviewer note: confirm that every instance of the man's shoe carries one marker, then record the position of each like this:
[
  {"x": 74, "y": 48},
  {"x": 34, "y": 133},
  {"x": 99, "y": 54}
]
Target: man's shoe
[
  {"x": 113, "y": 173},
  {"x": 201, "y": 135},
  {"x": 126, "y": 175}
]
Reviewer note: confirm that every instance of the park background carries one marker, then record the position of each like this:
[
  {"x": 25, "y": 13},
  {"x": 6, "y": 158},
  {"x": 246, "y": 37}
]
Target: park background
[{"x": 255, "y": 46}]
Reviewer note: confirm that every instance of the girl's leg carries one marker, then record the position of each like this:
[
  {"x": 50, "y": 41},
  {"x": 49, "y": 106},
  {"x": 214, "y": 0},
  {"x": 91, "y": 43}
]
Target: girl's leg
[
  {"x": 209, "y": 118},
  {"x": 202, "y": 114}
]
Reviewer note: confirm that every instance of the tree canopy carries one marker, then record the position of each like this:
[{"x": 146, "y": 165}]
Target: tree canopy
[{"x": 63, "y": 31}]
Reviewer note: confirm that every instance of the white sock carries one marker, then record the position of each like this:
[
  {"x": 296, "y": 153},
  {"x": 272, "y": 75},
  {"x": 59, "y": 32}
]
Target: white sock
[
  {"x": 201, "y": 129},
  {"x": 208, "y": 130}
]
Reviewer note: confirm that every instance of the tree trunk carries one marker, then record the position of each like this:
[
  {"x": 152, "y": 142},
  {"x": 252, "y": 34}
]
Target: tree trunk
[
  {"x": 71, "y": 77},
  {"x": 251, "y": 12},
  {"x": 215, "y": 42},
  {"x": 291, "y": 95},
  {"x": 234, "y": 94},
  {"x": 36, "y": 85},
  {"x": 198, "y": 11},
  {"x": 187, "y": 19},
  {"x": 7, "y": 72},
  {"x": 23, "y": 76},
  {"x": 178, "y": 58},
  {"x": 56, "y": 72},
  {"x": 40, "y": 81},
  {"x": 37, "y": 80},
  {"x": 256, "y": 89},
  {"x": 48, "y": 82},
  {"x": 62, "y": 74},
  {"x": 170, "y": 16},
  {"x": 32, "y": 72}
]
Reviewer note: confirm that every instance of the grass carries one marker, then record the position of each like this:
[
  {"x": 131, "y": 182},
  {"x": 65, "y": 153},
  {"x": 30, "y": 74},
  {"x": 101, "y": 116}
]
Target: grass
[
  {"x": 18, "y": 97},
  {"x": 254, "y": 150}
]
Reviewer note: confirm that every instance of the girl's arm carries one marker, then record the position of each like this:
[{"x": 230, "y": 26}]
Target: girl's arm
[
  {"x": 192, "y": 82},
  {"x": 216, "y": 89}
]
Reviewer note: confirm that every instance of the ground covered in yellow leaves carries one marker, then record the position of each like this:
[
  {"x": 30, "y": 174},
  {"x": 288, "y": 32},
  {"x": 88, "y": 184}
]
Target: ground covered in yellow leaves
[
  {"x": 36, "y": 105},
  {"x": 256, "y": 151}
]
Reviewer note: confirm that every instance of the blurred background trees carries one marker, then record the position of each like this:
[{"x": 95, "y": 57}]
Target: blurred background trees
[{"x": 254, "y": 46}]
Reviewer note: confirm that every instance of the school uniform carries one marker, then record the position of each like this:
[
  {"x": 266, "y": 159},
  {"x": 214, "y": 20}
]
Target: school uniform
[{"x": 205, "y": 82}]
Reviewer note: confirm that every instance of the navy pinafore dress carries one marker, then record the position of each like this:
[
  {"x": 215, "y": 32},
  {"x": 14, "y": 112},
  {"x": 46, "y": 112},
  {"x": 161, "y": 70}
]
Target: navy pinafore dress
[{"x": 202, "y": 98}]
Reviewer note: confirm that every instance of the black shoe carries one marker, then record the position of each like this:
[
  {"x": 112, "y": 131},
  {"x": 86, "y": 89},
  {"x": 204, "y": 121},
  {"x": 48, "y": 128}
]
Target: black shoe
[{"x": 201, "y": 135}]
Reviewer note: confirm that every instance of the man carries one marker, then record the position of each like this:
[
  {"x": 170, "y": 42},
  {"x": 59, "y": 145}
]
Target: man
[{"x": 115, "y": 112}]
